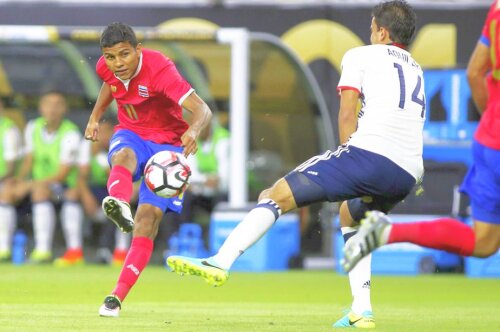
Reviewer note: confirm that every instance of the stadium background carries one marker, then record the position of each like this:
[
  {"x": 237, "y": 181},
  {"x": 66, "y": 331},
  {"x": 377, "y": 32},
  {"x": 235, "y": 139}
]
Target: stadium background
[
  {"x": 44, "y": 298},
  {"x": 318, "y": 33}
]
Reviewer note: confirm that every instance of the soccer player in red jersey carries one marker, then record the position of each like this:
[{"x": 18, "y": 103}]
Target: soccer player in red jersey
[
  {"x": 482, "y": 182},
  {"x": 150, "y": 94}
]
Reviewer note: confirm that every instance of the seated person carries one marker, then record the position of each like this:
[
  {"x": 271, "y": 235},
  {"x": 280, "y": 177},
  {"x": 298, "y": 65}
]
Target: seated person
[
  {"x": 209, "y": 175},
  {"x": 93, "y": 175},
  {"x": 49, "y": 175}
]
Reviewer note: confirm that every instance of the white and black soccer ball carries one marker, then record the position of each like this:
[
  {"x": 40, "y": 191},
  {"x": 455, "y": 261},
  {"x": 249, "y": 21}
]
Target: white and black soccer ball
[{"x": 167, "y": 174}]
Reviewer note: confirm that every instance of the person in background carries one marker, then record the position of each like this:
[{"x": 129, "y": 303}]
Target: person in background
[
  {"x": 93, "y": 176},
  {"x": 49, "y": 175},
  {"x": 209, "y": 174},
  {"x": 482, "y": 182},
  {"x": 10, "y": 147}
]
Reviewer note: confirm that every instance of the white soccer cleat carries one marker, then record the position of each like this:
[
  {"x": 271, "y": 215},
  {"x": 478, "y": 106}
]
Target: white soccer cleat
[
  {"x": 119, "y": 213},
  {"x": 372, "y": 234},
  {"x": 111, "y": 307}
]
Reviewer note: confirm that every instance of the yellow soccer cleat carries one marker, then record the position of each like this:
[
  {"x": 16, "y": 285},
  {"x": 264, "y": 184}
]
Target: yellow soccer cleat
[
  {"x": 205, "y": 268},
  {"x": 5, "y": 256},
  {"x": 40, "y": 257}
]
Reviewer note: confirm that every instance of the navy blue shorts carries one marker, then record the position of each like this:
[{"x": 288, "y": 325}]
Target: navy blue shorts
[
  {"x": 143, "y": 151},
  {"x": 482, "y": 184},
  {"x": 365, "y": 179}
]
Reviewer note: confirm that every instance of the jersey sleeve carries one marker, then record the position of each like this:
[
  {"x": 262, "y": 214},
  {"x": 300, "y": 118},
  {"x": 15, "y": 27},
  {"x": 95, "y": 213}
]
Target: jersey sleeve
[
  {"x": 352, "y": 71},
  {"x": 28, "y": 138},
  {"x": 170, "y": 83},
  {"x": 12, "y": 144},
  {"x": 84, "y": 153},
  {"x": 222, "y": 151},
  {"x": 70, "y": 147}
]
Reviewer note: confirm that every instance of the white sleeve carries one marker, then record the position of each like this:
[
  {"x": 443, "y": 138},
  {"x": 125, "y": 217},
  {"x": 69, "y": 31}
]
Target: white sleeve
[
  {"x": 197, "y": 178},
  {"x": 28, "y": 138},
  {"x": 12, "y": 144},
  {"x": 222, "y": 153},
  {"x": 84, "y": 153},
  {"x": 70, "y": 145},
  {"x": 352, "y": 70}
]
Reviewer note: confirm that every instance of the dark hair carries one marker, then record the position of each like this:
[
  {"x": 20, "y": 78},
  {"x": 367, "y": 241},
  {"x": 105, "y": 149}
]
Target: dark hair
[
  {"x": 398, "y": 18},
  {"x": 47, "y": 92},
  {"x": 118, "y": 33}
]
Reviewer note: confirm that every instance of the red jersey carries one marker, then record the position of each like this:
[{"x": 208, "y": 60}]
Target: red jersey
[
  {"x": 149, "y": 103},
  {"x": 488, "y": 131}
]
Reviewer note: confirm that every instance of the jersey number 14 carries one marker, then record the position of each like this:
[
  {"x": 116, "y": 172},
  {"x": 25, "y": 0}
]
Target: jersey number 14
[{"x": 416, "y": 91}]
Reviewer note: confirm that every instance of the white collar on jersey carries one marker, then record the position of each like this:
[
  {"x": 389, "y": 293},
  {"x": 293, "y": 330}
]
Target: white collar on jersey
[{"x": 127, "y": 82}]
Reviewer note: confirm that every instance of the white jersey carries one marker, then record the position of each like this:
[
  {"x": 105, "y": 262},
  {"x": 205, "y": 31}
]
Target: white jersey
[
  {"x": 85, "y": 155},
  {"x": 391, "y": 119}
]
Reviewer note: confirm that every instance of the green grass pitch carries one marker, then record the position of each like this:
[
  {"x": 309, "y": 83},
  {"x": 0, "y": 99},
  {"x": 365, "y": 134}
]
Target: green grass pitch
[{"x": 45, "y": 298}]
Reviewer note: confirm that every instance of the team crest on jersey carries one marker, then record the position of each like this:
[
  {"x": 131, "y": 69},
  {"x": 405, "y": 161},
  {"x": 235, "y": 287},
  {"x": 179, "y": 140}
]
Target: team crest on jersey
[
  {"x": 143, "y": 91},
  {"x": 113, "y": 88}
]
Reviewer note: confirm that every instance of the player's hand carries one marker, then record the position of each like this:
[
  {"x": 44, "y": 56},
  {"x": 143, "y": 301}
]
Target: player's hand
[
  {"x": 92, "y": 130},
  {"x": 188, "y": 140}
]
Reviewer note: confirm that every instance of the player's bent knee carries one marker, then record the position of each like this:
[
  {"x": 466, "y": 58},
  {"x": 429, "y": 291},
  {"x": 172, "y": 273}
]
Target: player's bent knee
[
  {"x": 281, "y": 194},
  {"x": 265, "y": 194},
  {"x": 124, "y": 156},
  {"x": 485, "y": 248}
]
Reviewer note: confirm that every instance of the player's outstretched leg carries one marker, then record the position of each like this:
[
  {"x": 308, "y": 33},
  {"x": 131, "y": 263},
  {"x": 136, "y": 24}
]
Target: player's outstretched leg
[
  {"x": 119, "y": 213},
  {"x": 351, "y": 319},
  {"x": 111, "y": 307},
  {"x": 205, "y": 268},
  {"x": 373, "y": 233}
]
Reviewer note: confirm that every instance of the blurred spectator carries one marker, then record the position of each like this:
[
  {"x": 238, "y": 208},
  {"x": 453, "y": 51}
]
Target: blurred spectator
[
  {"x": 209, "y": 175},
  {"x": 10, "y": 145},
  {"x": 93, "y": 176},
  {"x": 49, "y": 175}
]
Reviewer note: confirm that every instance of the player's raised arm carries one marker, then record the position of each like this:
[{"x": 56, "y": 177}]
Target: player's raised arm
[
  {"x": 201, "y": 115},
  {"x": 104, "y": 99}
]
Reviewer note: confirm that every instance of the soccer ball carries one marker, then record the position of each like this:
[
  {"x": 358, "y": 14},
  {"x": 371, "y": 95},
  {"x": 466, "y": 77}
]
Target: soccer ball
[{"x": 167, "y": 174}]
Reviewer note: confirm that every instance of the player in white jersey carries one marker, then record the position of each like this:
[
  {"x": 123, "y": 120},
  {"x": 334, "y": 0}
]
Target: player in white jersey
[
  {"x": 377, "y": 165},
  {"x": 390, "y": 122}
]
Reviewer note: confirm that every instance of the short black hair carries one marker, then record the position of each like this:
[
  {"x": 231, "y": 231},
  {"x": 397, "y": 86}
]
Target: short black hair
[
  {"x": 399, "y": 18},
  {"x": 117, "y": 32}
]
